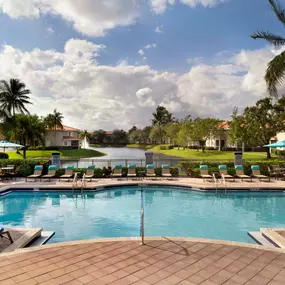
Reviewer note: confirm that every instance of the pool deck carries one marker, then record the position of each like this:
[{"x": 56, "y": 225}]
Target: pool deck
[
  {"x": 193, "y": 183},
  {"x": 160, "y": 261}
]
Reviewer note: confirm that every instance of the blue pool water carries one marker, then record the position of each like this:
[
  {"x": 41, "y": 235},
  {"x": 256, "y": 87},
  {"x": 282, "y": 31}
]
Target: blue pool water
[{"x": 168, "y": 212}]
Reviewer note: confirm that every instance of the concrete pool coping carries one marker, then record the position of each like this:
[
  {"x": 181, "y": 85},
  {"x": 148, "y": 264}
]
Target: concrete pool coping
[
  {"x": 192, "y": 184},
  {"x": 162, "y": 260}
]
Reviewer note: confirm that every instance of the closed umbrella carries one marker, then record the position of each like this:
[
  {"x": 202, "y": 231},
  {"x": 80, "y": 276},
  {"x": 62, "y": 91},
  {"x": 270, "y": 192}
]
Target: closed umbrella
[
  {"x": 276, "y": 145},
  {"x": 6, "y": 144}
]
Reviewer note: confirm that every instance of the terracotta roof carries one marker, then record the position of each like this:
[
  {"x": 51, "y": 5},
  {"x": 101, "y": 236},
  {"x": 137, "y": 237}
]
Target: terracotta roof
[
  {"x": 68, "y": 138},
  {"x": 65, "y": 129},
  {"x": 106, "y": 132},
  {"x": 224, "y": 125}
]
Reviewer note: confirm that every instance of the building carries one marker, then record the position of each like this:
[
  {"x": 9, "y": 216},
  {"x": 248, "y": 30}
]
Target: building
[{"x": 67, "y": 137}]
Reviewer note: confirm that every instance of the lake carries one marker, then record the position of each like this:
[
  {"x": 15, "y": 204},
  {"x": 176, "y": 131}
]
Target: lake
[{"x": 120, "y": 155}]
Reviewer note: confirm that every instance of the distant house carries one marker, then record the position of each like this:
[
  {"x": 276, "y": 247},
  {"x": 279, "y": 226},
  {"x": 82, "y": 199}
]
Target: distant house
[{"x": 67, "y": 137}]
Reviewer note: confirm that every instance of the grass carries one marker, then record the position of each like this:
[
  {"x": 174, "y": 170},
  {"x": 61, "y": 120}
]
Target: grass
[
  {"x": 65, "y": 153},
  {"x": 193, "y": 154},
  {"x": 143, "y": 146}
]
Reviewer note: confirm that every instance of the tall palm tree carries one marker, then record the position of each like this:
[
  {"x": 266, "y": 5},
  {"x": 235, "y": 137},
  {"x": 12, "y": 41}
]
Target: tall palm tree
[
  {"x": 275, "y": 72},
  {"x": 161, "y": 117},
  {"x": 54, "y": 120},
  {"x": 13, "y": 97}
]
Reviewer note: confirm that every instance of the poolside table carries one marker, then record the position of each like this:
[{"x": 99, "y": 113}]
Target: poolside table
[{"x": 280, "y": 171}]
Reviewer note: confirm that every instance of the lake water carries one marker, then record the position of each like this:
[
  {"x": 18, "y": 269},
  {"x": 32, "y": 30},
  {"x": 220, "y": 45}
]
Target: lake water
[{"x": 120, "y": 155}]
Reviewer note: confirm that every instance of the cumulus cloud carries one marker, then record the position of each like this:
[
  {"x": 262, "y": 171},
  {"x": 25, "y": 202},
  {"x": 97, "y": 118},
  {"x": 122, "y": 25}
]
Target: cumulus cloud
[
  {"x": 159, "y": 6},
  {"x": 90, "y": 17},
  {"x": 159, "y": 30},
  {"x": 50, "y": 30},
  {"x": 194, "y": 60},
  {"x": 94, "y": 96},
  {"x": 149, "y": 46},
  {"x": 141, "y": 52}
]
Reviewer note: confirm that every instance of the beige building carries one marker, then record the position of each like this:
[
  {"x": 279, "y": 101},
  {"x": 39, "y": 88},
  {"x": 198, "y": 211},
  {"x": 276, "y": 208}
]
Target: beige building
[{"x": 64, "y": 138}]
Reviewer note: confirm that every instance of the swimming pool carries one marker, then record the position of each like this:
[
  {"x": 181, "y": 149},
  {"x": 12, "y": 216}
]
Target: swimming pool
[{"x": 168, "y": 212}]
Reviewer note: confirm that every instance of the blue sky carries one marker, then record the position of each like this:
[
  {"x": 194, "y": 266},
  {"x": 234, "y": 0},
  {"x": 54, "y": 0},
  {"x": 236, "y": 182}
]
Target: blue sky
[{"x": 201, "y": 39}]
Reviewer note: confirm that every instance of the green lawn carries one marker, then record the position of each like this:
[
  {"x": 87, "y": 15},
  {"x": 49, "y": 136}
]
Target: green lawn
[
  {"x": 72, "y": 153},
  {"x": 193, "y": 154}
]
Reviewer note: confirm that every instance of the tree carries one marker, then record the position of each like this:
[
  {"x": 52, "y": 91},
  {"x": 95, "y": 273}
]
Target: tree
[
  {"x": 157, "y": 134},
  {"x": 260, "y": 123},
  {"x": 99, "y": 136},
  {"x": 83, "y": 134},
  {"x": 184, "y": 134},
  {"x": 54, "y": 120},
  {"x": 172, "y": 130},
  {"x": 161, "y": 117},
  {"x": 13, "y": 97},
  {"x": 25, "y": 129},
  {"x": 203, "y": 129},
  {"x": 119, "y": 137},
  {"x": 276, "y": 68}
]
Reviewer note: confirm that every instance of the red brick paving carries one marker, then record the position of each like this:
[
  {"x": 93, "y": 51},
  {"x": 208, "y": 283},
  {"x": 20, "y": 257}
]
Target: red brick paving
[{"x": 160, "y": 262}]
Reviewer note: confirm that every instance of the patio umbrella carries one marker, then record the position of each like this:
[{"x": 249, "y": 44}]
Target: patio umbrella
[
  {"x": 6, "y": 144},
  {"x": 276, "y": 145}
]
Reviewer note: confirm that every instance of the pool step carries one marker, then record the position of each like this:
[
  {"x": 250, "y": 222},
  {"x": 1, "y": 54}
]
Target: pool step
[
  {"x": 42, "y": 239},
  {"x": 259, "y": 238}
]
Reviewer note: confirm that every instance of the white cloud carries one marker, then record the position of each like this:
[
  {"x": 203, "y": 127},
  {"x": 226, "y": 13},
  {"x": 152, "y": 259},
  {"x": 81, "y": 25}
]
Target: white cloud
[
  {"x": 141, "y": 52},
  {"x": 90, "y": 17},
  {"x": 195, "y": 60},
  {"x": 50, "y": 30},
  {"x": 97, "y": 96},
  {"x": 159, "y": 30},
  {"x": 149, "y": 46},
  {"x": 159, "y": 6}
]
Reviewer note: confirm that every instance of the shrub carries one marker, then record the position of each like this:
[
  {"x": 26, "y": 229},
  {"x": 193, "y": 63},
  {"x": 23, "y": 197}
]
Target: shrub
[
  {"x": 166, "y": 147},
  {"x": 99, "y": 173},
  {"x": 158, "y": 171},
  {"x": 107, "y": 171},
  {"x": 4, "y": 155},
  {"x": 174, "y": 172},
  {"x": 141, "y": 171},
  {"x": 210, "y": 148},
  {"x": 193, "y": 147}
]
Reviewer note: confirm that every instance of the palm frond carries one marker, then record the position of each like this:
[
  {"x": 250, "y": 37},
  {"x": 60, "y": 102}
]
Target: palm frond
[
  {"x": 269, "y": 37},
  {"x": 275, "y": 73},
  {"x": 278, "y": 10}
]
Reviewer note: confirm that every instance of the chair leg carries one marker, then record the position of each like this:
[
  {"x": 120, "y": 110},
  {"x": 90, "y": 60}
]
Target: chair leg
[{"x": 9, "y": 236}]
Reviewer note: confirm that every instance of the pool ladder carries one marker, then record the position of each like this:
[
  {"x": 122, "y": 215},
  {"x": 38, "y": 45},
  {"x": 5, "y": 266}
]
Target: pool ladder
[
  {"x": 74, "y": 182},
  {"x": 83, "y": 182},
  {"x": 224, "y": 182},
  {"x": 215, "y": 181}
]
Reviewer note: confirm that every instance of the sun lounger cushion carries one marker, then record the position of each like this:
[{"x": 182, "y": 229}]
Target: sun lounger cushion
[
  {"x": 118, "y": 167},
  {"x": 1, "y": 230},
  {"x": 222, "y": 167},
  {"x": 52, "y": 167},
  {"x": 164, "y": 166},
  {"x": 239, "y": 167},
  {"x": 38, "y": 167},
  {"x": 204, "y": 167},
  {"x": 150, "y": 166},
  {"x": 70, "y": 167},
  {"x": 255, "y": 167},
  {"x": 132, "y": 166},
  {"x": 91, "y": 167}
]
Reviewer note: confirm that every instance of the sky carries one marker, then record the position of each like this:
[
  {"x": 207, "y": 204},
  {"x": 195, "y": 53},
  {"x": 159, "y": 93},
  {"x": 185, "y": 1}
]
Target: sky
[{"x": 109, "y": 63}]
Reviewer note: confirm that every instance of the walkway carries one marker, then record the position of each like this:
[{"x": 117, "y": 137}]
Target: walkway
[{"x": 162, "y": 261}]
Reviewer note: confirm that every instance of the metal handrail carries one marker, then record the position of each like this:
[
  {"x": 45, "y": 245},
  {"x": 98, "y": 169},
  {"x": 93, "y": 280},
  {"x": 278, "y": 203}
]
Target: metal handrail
[
  {"x": 83, "y": 181},
  {"x": 224, "y": 182},
  {"x": 215, "y": 181},
  {"x": 74, "y": 182},
  {"x": 142, "y": 226}
]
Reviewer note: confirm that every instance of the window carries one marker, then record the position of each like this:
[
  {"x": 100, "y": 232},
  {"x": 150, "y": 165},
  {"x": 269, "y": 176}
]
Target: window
[{"x": 65, "y": 143}]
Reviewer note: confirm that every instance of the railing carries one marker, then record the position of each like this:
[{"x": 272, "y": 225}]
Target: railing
[
  {"x": 142, "y": 226},
  {"x": 157, "y": 161},
  {"x": 74, "y": 182},
  {"x": 216, "y": 182},
  {"x": 224, "y": 182},
  {"x": 83, "y": 182}
]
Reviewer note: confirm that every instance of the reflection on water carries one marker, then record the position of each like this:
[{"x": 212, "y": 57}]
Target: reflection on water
[{"x": 168, "y": 212}]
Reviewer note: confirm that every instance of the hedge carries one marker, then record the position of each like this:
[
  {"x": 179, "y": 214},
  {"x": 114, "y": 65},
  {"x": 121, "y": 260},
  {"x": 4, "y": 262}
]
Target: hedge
[{"x": 193, "y": 168}]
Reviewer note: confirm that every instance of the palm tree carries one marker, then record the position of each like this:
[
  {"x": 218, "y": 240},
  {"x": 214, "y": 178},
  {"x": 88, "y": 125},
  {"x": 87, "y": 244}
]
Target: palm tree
[
  {"x": 161, "y": 118},
  {"x": 276, "y": 68},
  {"x": 54, "y": 120},
  {"x": 25, "y": 129},
  {"x": 13, "y": 97}
]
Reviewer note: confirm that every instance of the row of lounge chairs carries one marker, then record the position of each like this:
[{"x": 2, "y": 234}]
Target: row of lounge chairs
[
  {"x": 223, "y": 171},
  {"x": 90, "y": 172}
]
